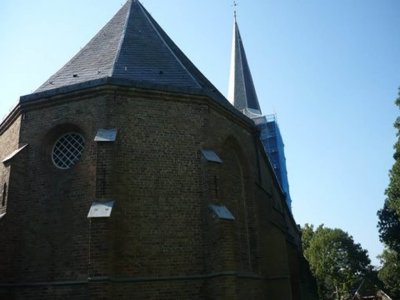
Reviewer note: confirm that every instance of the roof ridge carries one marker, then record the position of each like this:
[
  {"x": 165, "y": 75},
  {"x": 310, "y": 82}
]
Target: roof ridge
[
  {"x": 123, "y": 36},
  {"x": 166, "y": 44}
]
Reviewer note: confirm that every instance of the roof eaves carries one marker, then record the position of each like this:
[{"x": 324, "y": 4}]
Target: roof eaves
[
  {"x": 108, "y": 80},
  {"x": 212, "y": 94}
]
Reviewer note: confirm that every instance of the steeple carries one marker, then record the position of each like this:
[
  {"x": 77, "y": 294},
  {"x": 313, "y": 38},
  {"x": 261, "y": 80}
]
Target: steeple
[
  {"x": 131, "y": 47},
  {"x": 241, "y": 92}
]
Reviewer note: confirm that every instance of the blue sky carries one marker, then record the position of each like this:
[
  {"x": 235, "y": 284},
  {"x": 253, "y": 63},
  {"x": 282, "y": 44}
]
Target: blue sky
[{"x": 328, "y": 69}]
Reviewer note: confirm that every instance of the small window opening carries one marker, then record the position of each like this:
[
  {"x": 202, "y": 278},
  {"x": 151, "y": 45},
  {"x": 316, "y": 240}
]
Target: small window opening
[
  {"x": 4, "y": 197},
  {"x": 216, "y": 186}
]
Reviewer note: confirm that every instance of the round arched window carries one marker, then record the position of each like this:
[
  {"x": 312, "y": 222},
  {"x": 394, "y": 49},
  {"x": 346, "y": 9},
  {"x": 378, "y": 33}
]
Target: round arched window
[{"x": 67, "y": 150}]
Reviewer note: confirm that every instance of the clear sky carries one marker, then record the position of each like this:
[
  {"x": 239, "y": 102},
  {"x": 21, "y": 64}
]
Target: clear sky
[{"x": 328, "y": 69}]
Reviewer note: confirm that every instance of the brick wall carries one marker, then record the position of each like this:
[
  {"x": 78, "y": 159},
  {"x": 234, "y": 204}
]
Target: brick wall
[
  {"x": 9, "y": 142},
  {"x": 161, "y": 241}
]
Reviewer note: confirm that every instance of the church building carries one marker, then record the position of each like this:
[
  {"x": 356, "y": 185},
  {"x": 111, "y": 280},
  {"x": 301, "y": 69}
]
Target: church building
[{"x": 128, "y": 175}]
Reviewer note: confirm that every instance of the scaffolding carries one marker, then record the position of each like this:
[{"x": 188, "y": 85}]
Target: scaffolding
[{"x": 271, "y": 139}]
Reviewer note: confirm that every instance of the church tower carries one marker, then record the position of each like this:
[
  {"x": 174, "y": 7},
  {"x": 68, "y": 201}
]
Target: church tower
[
  {"x": 128, "y": 175},
  {"x": 242, "y": 94}
]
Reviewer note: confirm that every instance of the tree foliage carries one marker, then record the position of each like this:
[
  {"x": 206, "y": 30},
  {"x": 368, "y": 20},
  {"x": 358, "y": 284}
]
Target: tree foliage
[
  {"x": 389, "y": 224},
  {"x": 389, "y": 273},
  {"x": 336, "y": 261},
  {"x": 307, "y": 233},
  {"x": 389, "y": 227},
  {"x": 393, "y": 190}
]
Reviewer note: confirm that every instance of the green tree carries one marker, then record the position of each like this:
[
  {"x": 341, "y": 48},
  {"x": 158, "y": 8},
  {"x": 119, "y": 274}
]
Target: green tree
[
  {"x": 389, "y": 273},
  {"x": 336, "y": 261},
  {"x": 307, "y": 233},
  {"x": 389, "y": 227},
  {"x": 389, "y": 224},
  {"x": 393, "y": 190}
]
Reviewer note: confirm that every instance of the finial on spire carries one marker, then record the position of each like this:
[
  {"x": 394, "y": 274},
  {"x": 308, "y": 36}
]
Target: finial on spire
[{"x": 235, "y": 4}]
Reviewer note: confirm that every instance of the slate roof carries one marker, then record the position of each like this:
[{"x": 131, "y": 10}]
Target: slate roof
[
  {"x": 242, "y": 93},
  {"x": 131, "y": 48}
]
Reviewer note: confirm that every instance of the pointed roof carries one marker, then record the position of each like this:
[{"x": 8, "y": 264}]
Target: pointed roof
[
  {"x": 241, "y": 93},
  {"x": 133, "y": 48}
]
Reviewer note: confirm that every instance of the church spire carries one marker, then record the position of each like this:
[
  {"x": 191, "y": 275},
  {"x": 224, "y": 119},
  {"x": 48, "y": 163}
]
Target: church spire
[{"x": 241, "y": 92}]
